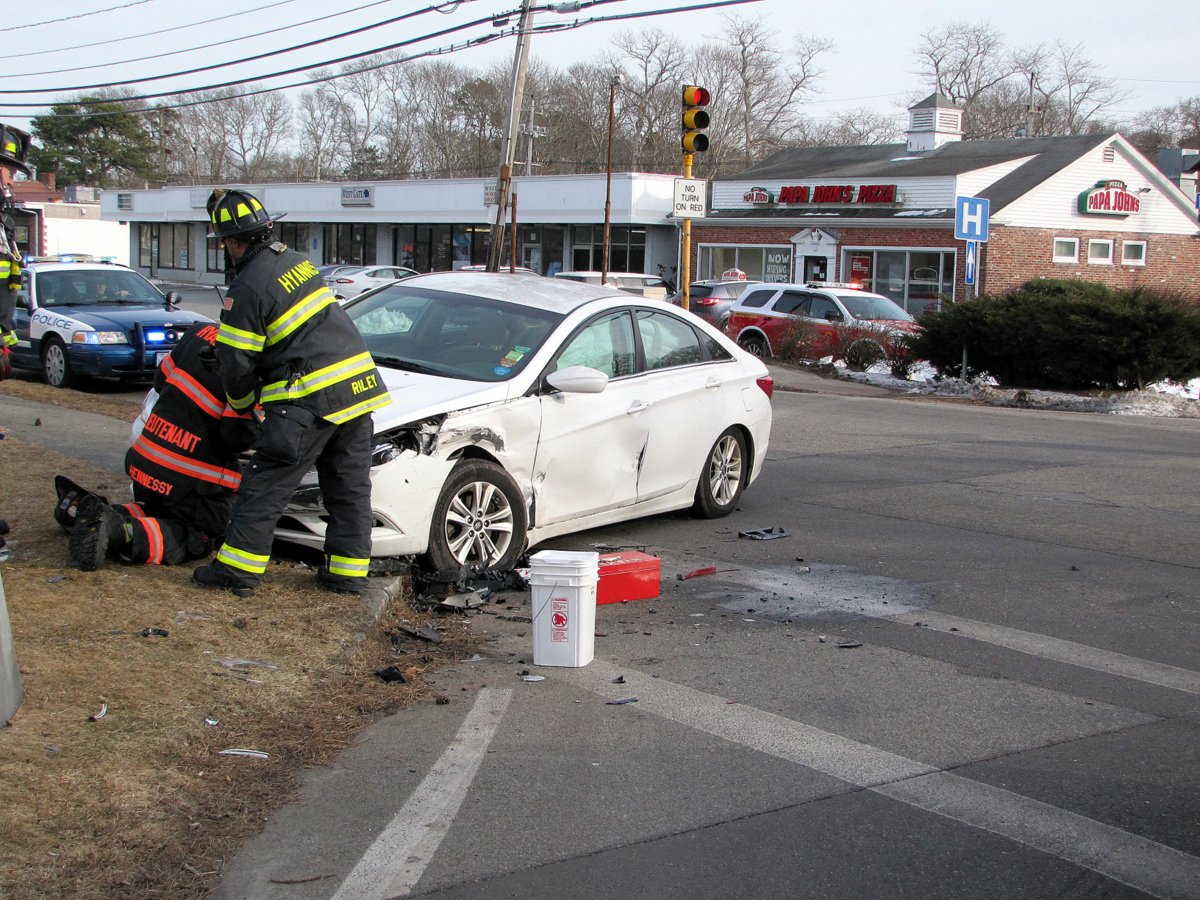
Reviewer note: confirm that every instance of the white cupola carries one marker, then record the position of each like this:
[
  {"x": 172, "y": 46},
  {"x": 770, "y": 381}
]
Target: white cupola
[{"x": 933, "y": 122}]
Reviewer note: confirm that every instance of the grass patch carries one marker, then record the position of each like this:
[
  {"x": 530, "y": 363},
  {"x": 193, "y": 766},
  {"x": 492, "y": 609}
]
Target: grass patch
[
  {"x": 140, "y": 803},
  {"x": 99, "y": 403}
]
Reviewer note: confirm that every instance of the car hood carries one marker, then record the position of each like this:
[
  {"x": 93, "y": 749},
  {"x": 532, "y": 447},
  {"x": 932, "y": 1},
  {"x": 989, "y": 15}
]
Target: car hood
[
  {"x": 125, "y": 317},
  {"x": 418, "y": 396}
]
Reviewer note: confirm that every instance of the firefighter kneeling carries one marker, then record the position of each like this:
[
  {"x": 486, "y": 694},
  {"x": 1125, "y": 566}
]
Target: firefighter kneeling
[{"x": 184, "y": 467}]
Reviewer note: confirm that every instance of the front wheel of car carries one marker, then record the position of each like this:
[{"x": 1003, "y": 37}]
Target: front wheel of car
[
  {"x": 480, "y": 520},
  {"x": 56, "y": 367},
  {"x": 723, "y": 477},
  {"x": 754, "y": 345}
]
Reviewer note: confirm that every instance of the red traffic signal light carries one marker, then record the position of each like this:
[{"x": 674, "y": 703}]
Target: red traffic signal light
[{"x": 695, "y": 119}]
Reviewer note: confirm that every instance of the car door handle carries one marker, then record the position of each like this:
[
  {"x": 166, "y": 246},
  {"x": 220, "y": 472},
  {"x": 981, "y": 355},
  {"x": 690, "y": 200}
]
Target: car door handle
[
  {"x": 713, "y": 383},
  {"x": 636, "y": 407}
]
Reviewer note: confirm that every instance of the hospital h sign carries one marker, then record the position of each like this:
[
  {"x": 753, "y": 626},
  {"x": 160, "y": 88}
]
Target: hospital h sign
[{"x": 971, "y": 219}]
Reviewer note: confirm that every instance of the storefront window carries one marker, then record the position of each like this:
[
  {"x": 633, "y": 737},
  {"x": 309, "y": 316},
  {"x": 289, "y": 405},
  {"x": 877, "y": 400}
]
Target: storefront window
[
  {"x": 349, "y": 243},
  {"x": 918, "y": 280},
  {"x": 215, "y": 261},
  {"x": 443, "y": 249},
  {"x": 145, "y": 239},
  {"x": 759, "y": 263}
]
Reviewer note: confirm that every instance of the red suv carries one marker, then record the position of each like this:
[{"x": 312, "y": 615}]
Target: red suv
[{"x": 835, "y": 312}]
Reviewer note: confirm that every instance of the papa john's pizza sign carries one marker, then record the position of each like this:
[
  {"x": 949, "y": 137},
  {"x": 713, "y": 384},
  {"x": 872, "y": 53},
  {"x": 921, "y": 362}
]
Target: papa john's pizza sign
[
  {"x": 1109, "y": 198},
  {"x": 758, "y": 195}
]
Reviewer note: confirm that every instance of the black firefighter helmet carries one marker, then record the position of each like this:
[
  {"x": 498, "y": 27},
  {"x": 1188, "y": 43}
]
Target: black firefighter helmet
[{"x": 233, "y": 212}]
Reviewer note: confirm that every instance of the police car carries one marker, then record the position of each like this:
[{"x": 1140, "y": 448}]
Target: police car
[{"x": 78, "y": 316}]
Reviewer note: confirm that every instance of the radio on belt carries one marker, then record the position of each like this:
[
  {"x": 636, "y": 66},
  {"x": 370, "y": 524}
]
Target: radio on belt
[{"x": 628, "y": 575}]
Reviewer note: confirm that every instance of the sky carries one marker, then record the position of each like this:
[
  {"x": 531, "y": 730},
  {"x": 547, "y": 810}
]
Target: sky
[{"x": 1153, "y": 57}]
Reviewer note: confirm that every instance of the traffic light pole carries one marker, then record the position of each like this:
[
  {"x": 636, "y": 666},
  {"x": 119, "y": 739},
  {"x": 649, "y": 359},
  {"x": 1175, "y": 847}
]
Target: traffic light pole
[
  {"x": 685, "y": 237},
  {"x": 509, "y": 145}
]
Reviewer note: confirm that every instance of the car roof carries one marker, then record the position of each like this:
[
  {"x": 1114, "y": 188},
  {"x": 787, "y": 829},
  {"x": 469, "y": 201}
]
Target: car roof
[
  {"x": 58, "y": 266},
  {"x": 558, "y": 295},
  {"x": 836, "y": 290}
]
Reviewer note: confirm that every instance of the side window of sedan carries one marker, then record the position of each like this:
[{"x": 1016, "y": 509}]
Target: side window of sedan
[
  {"x": 604, "y": 344},
  {"x": 667, "y": 341},
  {"x": 756, "y": 299}
]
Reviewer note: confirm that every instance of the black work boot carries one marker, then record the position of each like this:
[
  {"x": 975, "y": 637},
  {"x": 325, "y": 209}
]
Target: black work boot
[
  {"x": 218, "y": 575},
  {"x": 340, "y": 584},
  {"x": 74, "y": 502},
  {"x": 96, "y": 537}
]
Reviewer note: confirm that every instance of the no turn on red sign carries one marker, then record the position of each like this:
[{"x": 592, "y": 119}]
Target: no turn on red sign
[{"x": 690, "y": 198}]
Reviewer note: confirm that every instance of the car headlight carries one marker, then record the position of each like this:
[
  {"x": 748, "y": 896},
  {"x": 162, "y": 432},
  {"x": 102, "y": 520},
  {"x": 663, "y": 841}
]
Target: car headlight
[
  {"x": 383, "y": 452},
  {"x": 99, "y": 337}
]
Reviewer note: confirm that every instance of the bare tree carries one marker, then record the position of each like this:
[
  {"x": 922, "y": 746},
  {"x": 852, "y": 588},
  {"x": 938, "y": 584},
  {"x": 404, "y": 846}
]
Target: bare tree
[
  {"x": 317, "y": 127},
  {"x": 964, "y": 62},
  {"x": 759, "y": 104},
  {"x": 1163, "y": 127},
  {"x": 1076, "y": 93},
  {"x": 257, "y": 128},
  {"x": 855, "y": 127},
  {"x": 654, "y": 65}
]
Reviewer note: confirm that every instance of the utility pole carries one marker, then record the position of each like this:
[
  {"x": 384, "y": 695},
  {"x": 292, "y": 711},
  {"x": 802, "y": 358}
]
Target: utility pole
[
  {"x": 532, "y": 131},
  {"x": 1029, "y": 108},
  {"x": 509, "y": 143}
]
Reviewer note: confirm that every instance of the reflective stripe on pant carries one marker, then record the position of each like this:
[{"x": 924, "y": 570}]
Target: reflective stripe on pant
[
  {"x": 162, "y": 538},
  {"x": 342, "y": 456}
]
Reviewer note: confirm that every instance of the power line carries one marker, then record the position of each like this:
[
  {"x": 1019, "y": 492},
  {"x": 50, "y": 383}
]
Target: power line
[
  {"x": 237, "y": 62},
  {"x": 221, "y": 43},
  {"x": 76, "y": 16},
  {"x": 472, "y": 42},
  {"x": 132, "y": 37}
]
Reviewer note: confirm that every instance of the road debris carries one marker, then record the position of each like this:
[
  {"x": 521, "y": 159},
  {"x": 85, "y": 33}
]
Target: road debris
[
  {"x": 620, "y": 679},
  {"x": 532, "y": 678},
  {"x": 154, "y": 632},
  {"x": 55, "y": 579},
  {"x": 698, "y": 573},
  {"x": 211, "y": 722},
  {"x": 428, "y": 633},
  {"x": 301, "y": 880},
  {"x": 100, "y": 714},
  {"x": 765, "y": 534},
  {"x": 620, "y": 702},
  {"x": 239, "y": 751},
  {"x": 390, "y": 674},
  {"x": 848, "y": 645}
]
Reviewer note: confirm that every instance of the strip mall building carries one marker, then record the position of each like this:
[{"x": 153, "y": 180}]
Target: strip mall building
[{"x": 1087, "y": 207}]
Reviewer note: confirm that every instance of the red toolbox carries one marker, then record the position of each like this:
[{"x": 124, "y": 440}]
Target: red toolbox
[{"x": 628, "y": 575}]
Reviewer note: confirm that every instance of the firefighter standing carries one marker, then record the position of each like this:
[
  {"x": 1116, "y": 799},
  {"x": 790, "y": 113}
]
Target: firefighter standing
[
  {"x": 14, "y": 145},
  {"x": 184, "y": 467},
  {"x": 288, "y": 344}
]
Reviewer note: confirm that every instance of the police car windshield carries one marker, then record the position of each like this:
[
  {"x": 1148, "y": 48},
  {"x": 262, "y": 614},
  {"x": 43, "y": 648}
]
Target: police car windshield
[
  {"x": 94, "y": 287},
  {"x": 864, "y": 306}
]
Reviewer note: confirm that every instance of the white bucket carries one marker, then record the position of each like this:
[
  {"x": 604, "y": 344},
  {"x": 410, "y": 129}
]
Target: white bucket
[{"x": 564, "y": 607}]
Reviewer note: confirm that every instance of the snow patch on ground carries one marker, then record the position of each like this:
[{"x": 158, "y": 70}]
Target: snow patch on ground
[{"x": 1166, "y": 399}]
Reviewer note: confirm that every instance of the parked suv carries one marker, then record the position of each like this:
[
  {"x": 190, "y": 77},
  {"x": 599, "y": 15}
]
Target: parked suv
[
  {"x": 712, "y": 300},
  {"x": 79, "y": 316},
  {"x": 839, "y": 315}
]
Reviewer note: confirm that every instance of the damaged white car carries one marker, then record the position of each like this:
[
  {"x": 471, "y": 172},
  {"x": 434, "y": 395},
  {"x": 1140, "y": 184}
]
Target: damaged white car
[{"x": 526, "y": 408}]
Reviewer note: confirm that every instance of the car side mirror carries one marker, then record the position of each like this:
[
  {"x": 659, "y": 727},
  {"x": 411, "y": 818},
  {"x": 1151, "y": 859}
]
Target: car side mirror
[
  {"x": 172, "y": 302},
  {"x": 578, "y": 380},
  {"x": 833, "y": 316},
  {"x": 23, "y": 301}
]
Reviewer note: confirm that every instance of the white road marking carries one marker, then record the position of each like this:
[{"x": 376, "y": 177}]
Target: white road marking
[
  {"x": 394, "y": 863},
  {"x": 1154, "y": 868},
  {"x": 1081, "y": 655}
]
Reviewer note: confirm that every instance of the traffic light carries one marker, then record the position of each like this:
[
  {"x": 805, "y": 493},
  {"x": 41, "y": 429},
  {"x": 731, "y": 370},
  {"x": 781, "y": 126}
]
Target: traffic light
[
  {"x": 14, "y": 148},
  {"x": 695, "y": 119}
]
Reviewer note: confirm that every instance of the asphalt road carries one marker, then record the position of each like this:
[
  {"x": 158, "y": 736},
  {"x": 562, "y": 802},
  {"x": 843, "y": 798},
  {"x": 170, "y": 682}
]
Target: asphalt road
[{"x": 970, "y": 670}]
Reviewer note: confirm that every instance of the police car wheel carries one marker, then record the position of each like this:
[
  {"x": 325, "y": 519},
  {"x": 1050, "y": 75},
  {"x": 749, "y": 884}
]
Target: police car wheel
[
  {"x": 56, "y": 367},
  {"x": 480, "y": 520}
]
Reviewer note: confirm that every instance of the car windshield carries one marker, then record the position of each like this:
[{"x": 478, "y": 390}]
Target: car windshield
[
  {"x": 452, "y": 335},
  {"x": 93, "y": 287},
  {"x": 864, "y": 306}
]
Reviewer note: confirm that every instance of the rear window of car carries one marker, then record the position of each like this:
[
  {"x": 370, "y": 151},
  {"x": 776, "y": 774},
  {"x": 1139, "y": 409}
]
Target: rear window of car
[
  {"x": 755, "y": 299},
  {"x": 701, "y": 290}
]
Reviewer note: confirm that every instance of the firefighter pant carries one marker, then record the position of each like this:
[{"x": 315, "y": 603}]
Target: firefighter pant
[
  {"x": 291, "y": 443},
  {"x": 188, "y": 527}
]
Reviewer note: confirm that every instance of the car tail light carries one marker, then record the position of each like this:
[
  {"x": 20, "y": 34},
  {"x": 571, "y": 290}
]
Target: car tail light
[
  {"x": 706, "y": 301},
  {"x": 343, "y": 281},
  {"x": 767, "y": 383}
]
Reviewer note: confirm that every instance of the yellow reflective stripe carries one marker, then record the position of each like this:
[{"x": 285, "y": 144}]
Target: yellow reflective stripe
[
  {"x": 254, "y": 563},
  {"x": 318, "y": 380},
  {"x": 225, "y": 216},
  {"x": 242, "y": 210},
  {"x": 345, "y": 565},
  {"x": 255, "y": 204},
  {"x": 240, "y": 339},
  {"x": 241, "y": 403},
  {"x": 299, "y": 314},
  {"x": 358, "y": 409}
]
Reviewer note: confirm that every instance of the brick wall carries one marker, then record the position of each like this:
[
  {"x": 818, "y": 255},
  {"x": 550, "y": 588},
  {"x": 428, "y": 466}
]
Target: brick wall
[
  {"x": 1015, "y": 255},
  {"x": 1011, "y": 257}
]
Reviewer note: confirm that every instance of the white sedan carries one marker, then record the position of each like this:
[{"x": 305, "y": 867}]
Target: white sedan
[
  {"x": 350, "y": 283},
  {"x": 526, "y": 408}
]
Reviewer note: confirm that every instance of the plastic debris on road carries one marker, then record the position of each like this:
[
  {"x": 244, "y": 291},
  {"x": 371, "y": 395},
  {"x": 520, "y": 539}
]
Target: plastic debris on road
[{"x": 765, "y": 534}]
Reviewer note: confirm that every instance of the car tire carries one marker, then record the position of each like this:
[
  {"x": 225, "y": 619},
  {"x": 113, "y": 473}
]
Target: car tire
[
  {"x": 754, "y": 345},
  {"x": 480, "y": 520},
  {"x": 723, "y": 477},
  {"x": 56, "y": 366}
]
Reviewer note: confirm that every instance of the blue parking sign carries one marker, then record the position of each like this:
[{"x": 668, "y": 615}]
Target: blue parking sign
[{"x": 971, "y": 219}]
